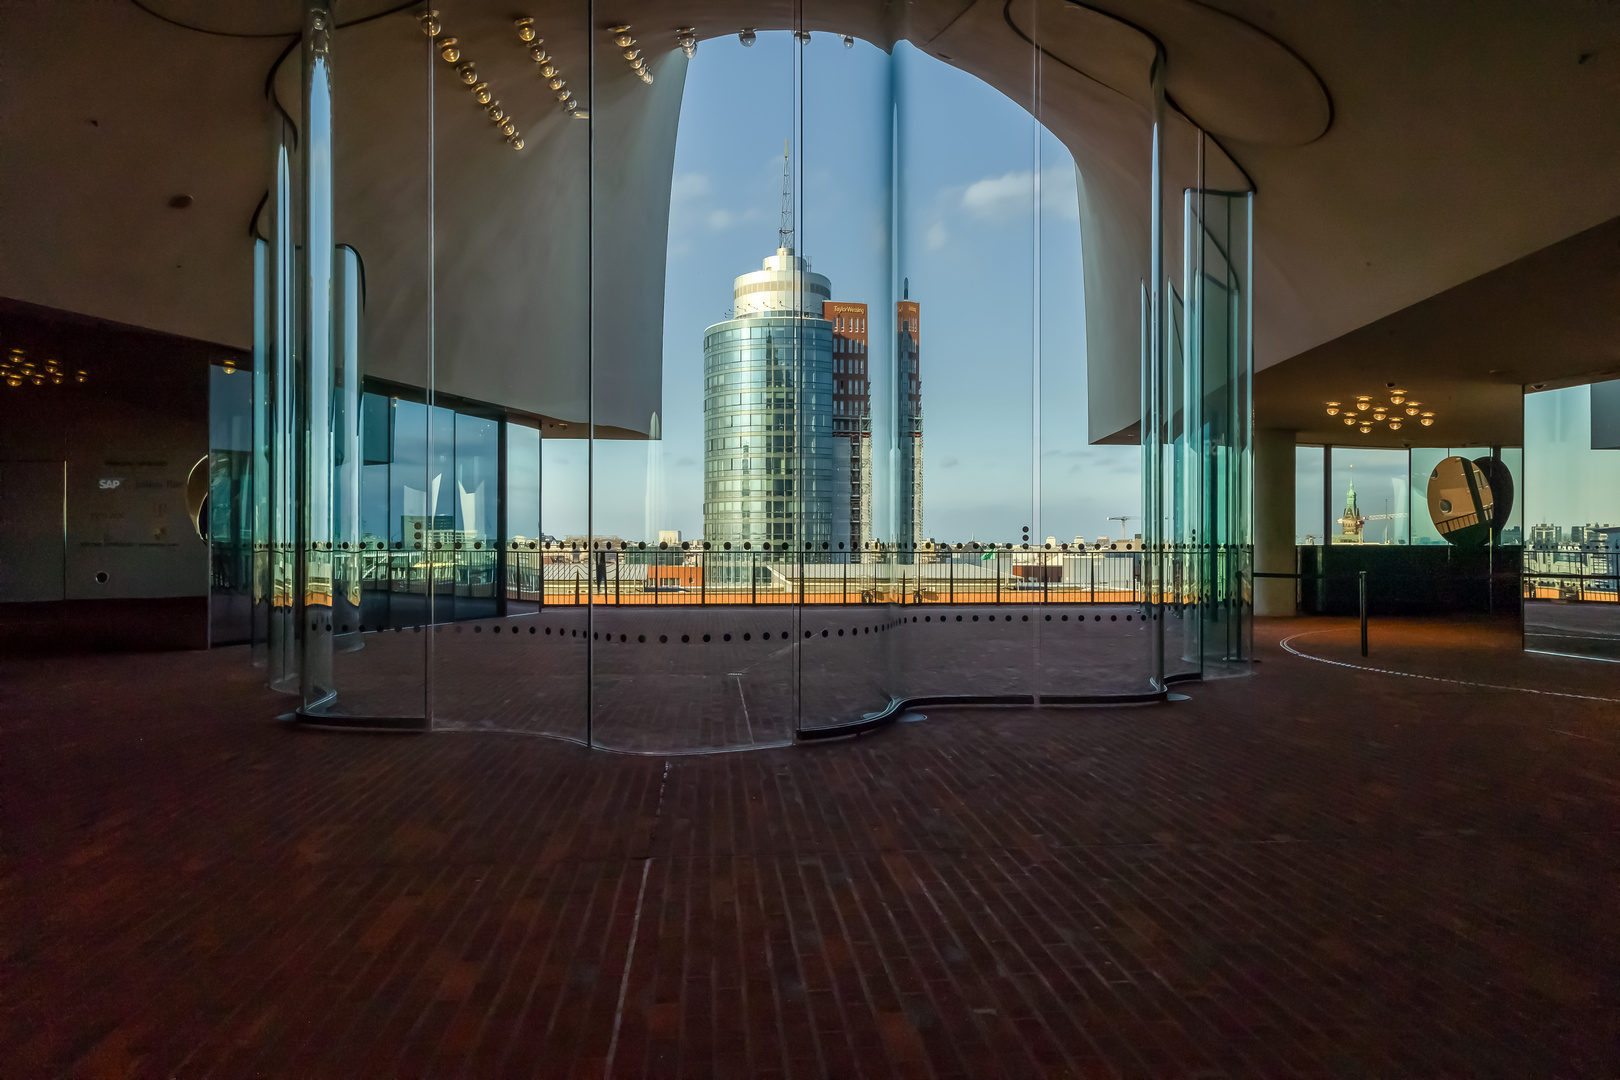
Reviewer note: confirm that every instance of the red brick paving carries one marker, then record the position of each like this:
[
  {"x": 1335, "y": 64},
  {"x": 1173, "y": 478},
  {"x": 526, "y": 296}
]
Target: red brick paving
[{"x": 1316, "y": 872}]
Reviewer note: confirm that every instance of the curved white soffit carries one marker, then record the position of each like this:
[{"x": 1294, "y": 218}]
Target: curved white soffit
[{"x": 1228, "y": 77}]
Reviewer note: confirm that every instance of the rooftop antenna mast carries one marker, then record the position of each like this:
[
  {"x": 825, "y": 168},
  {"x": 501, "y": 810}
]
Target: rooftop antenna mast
[{"x": 785, "y": 232}]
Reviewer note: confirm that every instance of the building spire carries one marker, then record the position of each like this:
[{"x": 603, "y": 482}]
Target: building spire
[{"x": 785, "y": 232}]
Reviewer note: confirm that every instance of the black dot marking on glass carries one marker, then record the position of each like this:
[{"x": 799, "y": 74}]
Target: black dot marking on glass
[
  {"x": 1113, "y": 618},
  {"x": 840, "y": 633},
  {"x": 531, "y": 629},
  {"x": 959, "y": 618},
  {"x": 1065, "y": 618},
  {"x": 763, "y": 637},
  {"x": 975, "y": 618},
  {"x": 747, "y": 636},
  {"x": 478, "y": 629},
  {"x": 705, "y": 637},
  {"x": 642, "y": 638},
  {"x": 784, "y": 635},
  {"x": 663, "y": 639},
  {"x": 824, "y": 633},
  {"x": 1049, "y": 618},
  {"x": 548, "y": 631},
  {"x": 928, "y": 618},
  {"x": 685, "y": 640},
  {"x": 1127, "y": 618},
  {"x": 1096, "y": 618},
  {"x": 1026, "y": 618}
]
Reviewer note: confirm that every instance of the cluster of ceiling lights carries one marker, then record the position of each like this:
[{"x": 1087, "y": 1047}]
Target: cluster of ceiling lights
[
  {"x": 686, "y": 38},
  {"x": 748, "y": 37},
  {"x": 549, "y": 70},
  {"x": 17, "y": 370},
  {"x": 1364, "y": 415},
  {"x": 638, "y": 63},
  {"x": 450, "y": 53}
]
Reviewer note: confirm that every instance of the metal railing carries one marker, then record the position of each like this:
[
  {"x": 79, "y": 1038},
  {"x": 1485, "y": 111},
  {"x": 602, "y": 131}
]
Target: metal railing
[{"x": 483, "y": 579}]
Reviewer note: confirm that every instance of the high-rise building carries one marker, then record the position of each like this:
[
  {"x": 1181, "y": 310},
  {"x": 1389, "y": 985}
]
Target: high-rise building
[
  {"x": 908, "y": 421},
  {"x": 768, "y": 410},
  {"x": 852, "y": 424}
]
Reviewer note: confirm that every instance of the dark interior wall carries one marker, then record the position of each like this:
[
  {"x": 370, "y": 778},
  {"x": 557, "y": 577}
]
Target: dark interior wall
[
  {"x": 92, "y": 485},
  {"x": 1423, "y": 579}
]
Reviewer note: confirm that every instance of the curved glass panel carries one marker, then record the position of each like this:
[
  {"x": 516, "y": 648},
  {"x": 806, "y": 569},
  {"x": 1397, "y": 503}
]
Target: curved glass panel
[{"x": 596, "y": 399}]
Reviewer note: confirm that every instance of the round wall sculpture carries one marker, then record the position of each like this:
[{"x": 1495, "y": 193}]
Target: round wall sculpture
[{"x": 1469, "y": 500}]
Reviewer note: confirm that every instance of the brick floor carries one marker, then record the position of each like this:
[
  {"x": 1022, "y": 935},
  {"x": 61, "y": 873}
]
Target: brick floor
[{"x": 1320, "y": 871}]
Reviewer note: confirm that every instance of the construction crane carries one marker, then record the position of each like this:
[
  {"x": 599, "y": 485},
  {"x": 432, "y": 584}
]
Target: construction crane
[{"x": 1122, "y": 519}]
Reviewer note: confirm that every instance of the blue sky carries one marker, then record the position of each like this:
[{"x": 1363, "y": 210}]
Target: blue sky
[{"x": 981, "y": 219}]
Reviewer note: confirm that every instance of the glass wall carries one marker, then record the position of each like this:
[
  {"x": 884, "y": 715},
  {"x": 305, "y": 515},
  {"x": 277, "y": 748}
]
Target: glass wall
[
  {"x": 1571, "y": 496},
  {"x": 1310, "y": 513},
  {"x": 628, "y": 427}
]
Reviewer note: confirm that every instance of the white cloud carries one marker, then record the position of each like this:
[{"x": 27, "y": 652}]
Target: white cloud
[
  {"x": 998, "y": 198},
  {"x": 688, "y": 186},
  {"x": 720, "y": 219},
  {"x": 1002, "y": 198},
  {"x": 937, "y": 236}
]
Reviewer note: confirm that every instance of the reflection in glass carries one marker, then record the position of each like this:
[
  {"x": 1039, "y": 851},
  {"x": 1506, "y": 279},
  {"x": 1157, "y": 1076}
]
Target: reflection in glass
[{"x": 1572, "y": 510}]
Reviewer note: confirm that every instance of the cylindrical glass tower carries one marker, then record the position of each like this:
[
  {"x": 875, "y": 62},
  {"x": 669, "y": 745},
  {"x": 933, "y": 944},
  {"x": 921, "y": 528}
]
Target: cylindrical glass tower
[{"x": 767, "y": 411}]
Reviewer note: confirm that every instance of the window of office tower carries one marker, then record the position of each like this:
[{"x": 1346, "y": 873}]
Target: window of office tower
[{"x": 874, "y": 324}]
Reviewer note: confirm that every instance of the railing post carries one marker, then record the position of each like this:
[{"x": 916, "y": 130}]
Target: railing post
[
  {"x": 1363, "y": 583},
  {"x": 951, "y": 570},
  {"x": 996, "y": 558},
  {"x": 753, "y": 578},
  {"x": 703, "y": 567}
]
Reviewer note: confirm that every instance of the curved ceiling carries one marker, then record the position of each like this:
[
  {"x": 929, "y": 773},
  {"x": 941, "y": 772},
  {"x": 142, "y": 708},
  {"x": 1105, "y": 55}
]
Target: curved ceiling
[
  {"x": 1227, "y": 77},
  {"x": 1458, "y": 139},
  {"x": 261, "y": 18}
]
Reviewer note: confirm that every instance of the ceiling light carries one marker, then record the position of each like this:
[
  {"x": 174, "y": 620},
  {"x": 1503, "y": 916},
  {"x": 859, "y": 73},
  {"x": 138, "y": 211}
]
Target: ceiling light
[
  {"x": 686, "y": 38},
  {"x": 1427, "y": 419},
  {"x": 516, "y": 141},
  {"x": 564, "y": 95},
  {"x": 1333, "y": 408},
  {"x": 548, "y": 70},
  {"x": 747, "y": 37},
  {"x": 1366, "y": 428},
  {"x": 525, "y": 29},
  {"x": 1363, "y": 404},
  {"x": 430, "y": 22},
  {"x": 468, "y": 73},
  {"x": 849, "y": 41},
  {"x": 1349, "y": 420},
  {"x": 1397, "y": 396},
  {"x": 802, "y": 36},
  {"x": 632, "y": 54},
  {"x": 448, "y": 50},
  {"x": 558, "y": 84},
  {"x": 1412, "y": 408},
  {"x": 481, "y": 93},
  {"x": 1394, "y": 425}
]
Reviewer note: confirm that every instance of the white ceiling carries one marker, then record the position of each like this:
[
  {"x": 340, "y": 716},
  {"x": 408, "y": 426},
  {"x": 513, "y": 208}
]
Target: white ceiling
[{"x": 1458, "y": 139}]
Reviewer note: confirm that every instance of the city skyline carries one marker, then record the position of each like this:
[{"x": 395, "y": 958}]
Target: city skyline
[{"x": 1006, "y": 361}]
